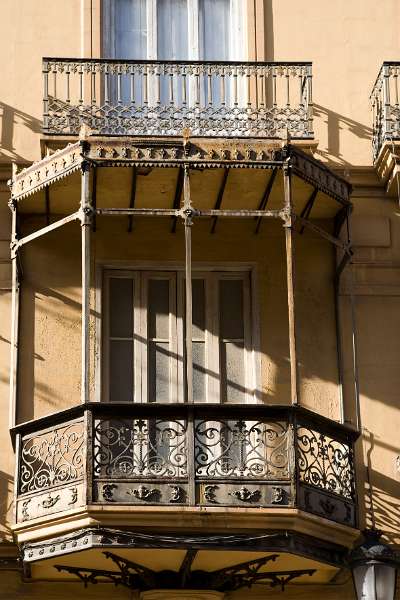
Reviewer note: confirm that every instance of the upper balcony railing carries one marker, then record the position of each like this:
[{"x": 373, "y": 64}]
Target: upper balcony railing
[
  {"x": 223, "y": 99},
  {"x": 186, "y": 455},
  {"x": 385, "y": 106}
]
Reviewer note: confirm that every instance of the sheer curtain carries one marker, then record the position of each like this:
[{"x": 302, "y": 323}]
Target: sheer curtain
[{"x": 214, "y": 29}]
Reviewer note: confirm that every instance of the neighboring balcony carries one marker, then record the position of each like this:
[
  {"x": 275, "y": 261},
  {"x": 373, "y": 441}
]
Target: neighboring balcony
[
  {"x": 168, "y": 98},
  {"x": 385, "y": 105},
  {"x": 185, "y": 456}
]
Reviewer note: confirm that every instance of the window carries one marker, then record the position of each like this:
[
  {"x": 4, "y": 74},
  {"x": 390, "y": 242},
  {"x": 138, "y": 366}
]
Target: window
[
  {"x": 174, "y": 29},
  {"x": 144, "y": 333}
]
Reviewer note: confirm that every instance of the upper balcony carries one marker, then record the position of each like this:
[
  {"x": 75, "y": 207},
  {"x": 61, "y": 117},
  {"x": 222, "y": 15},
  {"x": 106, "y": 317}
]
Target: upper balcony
[
  {"x": 153, "y": 98},
  {"x": 385, "y": 106}
]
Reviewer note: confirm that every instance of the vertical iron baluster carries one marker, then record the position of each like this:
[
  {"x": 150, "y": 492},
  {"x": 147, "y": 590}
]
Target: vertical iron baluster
[
  {"x": 287, "y": 88},
  {"x": 262, "y": 89},
  {"x": 209, "y": 87},
  {"x": 171, "y": 86},
  {"x": 93, "y": 85},
  {"x": 67, "y": 93},
  {"x": 106, "y": 90},
  {"x": 158, "y": 85},
  {"x": 45, "y": 71},
  {"x": 248, "y": 87},
  {"x": 145, "y": 86},
  {"x": 119, "y": 99},
  {"x": 222, "y": 82},
  {"x": 274, "y": 87},
  {"x": 132, "y": 78},
  {"x": 183, "y": 79},
  {"x": 197, "y": 80},
  {"x": 80, "y": 85},
  {"x": 235, "y": 86},
  {"x": 309, "y": 102}
]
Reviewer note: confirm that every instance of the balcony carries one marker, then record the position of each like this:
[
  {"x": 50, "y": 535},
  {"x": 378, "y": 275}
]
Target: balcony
[
  {"x": 185, "y": 456},
  {"x": 385, "y": 105},
  {"x": 151, "y": 98}
]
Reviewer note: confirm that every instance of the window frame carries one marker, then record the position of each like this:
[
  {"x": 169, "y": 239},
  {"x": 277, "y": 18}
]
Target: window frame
[
  {"x": 238, "y": 25},
  {"x": 205, "y": 271}
]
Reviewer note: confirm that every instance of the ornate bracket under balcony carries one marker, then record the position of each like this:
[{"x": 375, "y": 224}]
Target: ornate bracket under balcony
[
  {"x": 153, "y": 98},
  {"x": 139, "y": 455}
]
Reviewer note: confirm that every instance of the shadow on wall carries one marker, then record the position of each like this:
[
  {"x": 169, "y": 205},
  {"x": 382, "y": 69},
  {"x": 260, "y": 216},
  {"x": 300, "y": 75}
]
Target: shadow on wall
[
  {"x": 6, "y": 502},
  {"x": 335, "y": 124},
  {"x": 381, "y": 492},
  {"x": 9, "y": 118}
]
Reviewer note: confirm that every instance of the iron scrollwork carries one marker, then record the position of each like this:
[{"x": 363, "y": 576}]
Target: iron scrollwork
[
  {"x": 237, "y": 449},
  {"x": 325, "y": 463},
  {"x": 139, "y": 448},
  {"x": 51, "y": 458}
]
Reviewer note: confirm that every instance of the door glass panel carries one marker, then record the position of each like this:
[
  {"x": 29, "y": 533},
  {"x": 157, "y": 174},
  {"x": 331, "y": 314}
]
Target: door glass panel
[
  {"x": 121, "y": 370},
  {"x": 231, "y": 343},
  {"x": 159, "y": 350},
  {"x": 121, "y": 307}
]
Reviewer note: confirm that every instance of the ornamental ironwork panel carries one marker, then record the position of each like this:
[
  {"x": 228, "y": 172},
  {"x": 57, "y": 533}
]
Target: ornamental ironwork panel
[
  {"x": 385, "y": 106},
  {"x": 52, "y": 458},
  {"x": 114, "y": 97},
  {"x": 325, "y": 463},
  {"x": 242, "y": 449},
  {"x": 130, "y": 448}
]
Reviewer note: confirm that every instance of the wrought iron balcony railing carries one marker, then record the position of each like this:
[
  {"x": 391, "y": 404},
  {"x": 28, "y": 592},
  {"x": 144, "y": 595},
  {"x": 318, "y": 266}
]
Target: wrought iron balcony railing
[
  {"x": 227, "y": 99},
  {"x": 185, "y": 455},
  {"x": 385, "y": 106}
]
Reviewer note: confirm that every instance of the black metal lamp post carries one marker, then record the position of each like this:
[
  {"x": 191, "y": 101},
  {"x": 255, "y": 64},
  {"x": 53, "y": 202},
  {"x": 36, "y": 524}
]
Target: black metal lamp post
[{"x": 374, "y": 568}]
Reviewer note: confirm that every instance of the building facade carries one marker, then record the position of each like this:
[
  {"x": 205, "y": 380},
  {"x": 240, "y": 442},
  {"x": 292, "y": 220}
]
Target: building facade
[{"x": 199, "y": 326}]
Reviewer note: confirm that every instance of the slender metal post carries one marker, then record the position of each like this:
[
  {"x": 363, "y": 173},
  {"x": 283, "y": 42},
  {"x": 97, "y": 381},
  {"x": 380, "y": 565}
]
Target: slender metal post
[
  {"x": 187, "y": 209},
  {"x": 386, "y": 101},
  {"x": 338, "y": 325},
  {"x": 86, "y": 224},
  {"x": 45, "y": 71},
  {"x": 354, "y": 337},
  {"x": 15, "y": 304},
  {"x": 290, "y": 285}
]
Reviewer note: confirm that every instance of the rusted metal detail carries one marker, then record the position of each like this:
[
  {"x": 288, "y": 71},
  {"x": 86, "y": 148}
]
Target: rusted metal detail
[
  {"x": 290, "y": 278},
  {"x": 284, "y": 541},
  {"x": 319, "y": 175},
  {"x": 50, "y": 169}
]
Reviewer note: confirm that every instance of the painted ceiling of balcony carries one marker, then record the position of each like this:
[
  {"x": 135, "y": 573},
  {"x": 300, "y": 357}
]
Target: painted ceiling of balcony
[
  {"x": 168, "y": 559},
  {"x": 156, "y": 188}
]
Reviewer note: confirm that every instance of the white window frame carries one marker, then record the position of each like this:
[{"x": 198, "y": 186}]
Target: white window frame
[{"x": 211, "y": 275}]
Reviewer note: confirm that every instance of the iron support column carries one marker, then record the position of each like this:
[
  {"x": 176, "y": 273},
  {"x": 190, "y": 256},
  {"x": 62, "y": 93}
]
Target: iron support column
[
  {"x": 86, "y": 225},
  {"x": 15, "y": 304},
  {"x": 290, "y": 272}
]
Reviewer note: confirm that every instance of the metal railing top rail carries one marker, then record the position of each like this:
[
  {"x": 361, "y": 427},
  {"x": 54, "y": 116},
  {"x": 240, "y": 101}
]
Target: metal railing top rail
[
  {"x": 124, "y": 409},
  {"x": 48, "y": 59},
  {"x": 379, "y": 79}
]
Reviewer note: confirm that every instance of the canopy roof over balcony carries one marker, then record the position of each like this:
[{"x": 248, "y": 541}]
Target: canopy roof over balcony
[{"x": 203, "y": 156}]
